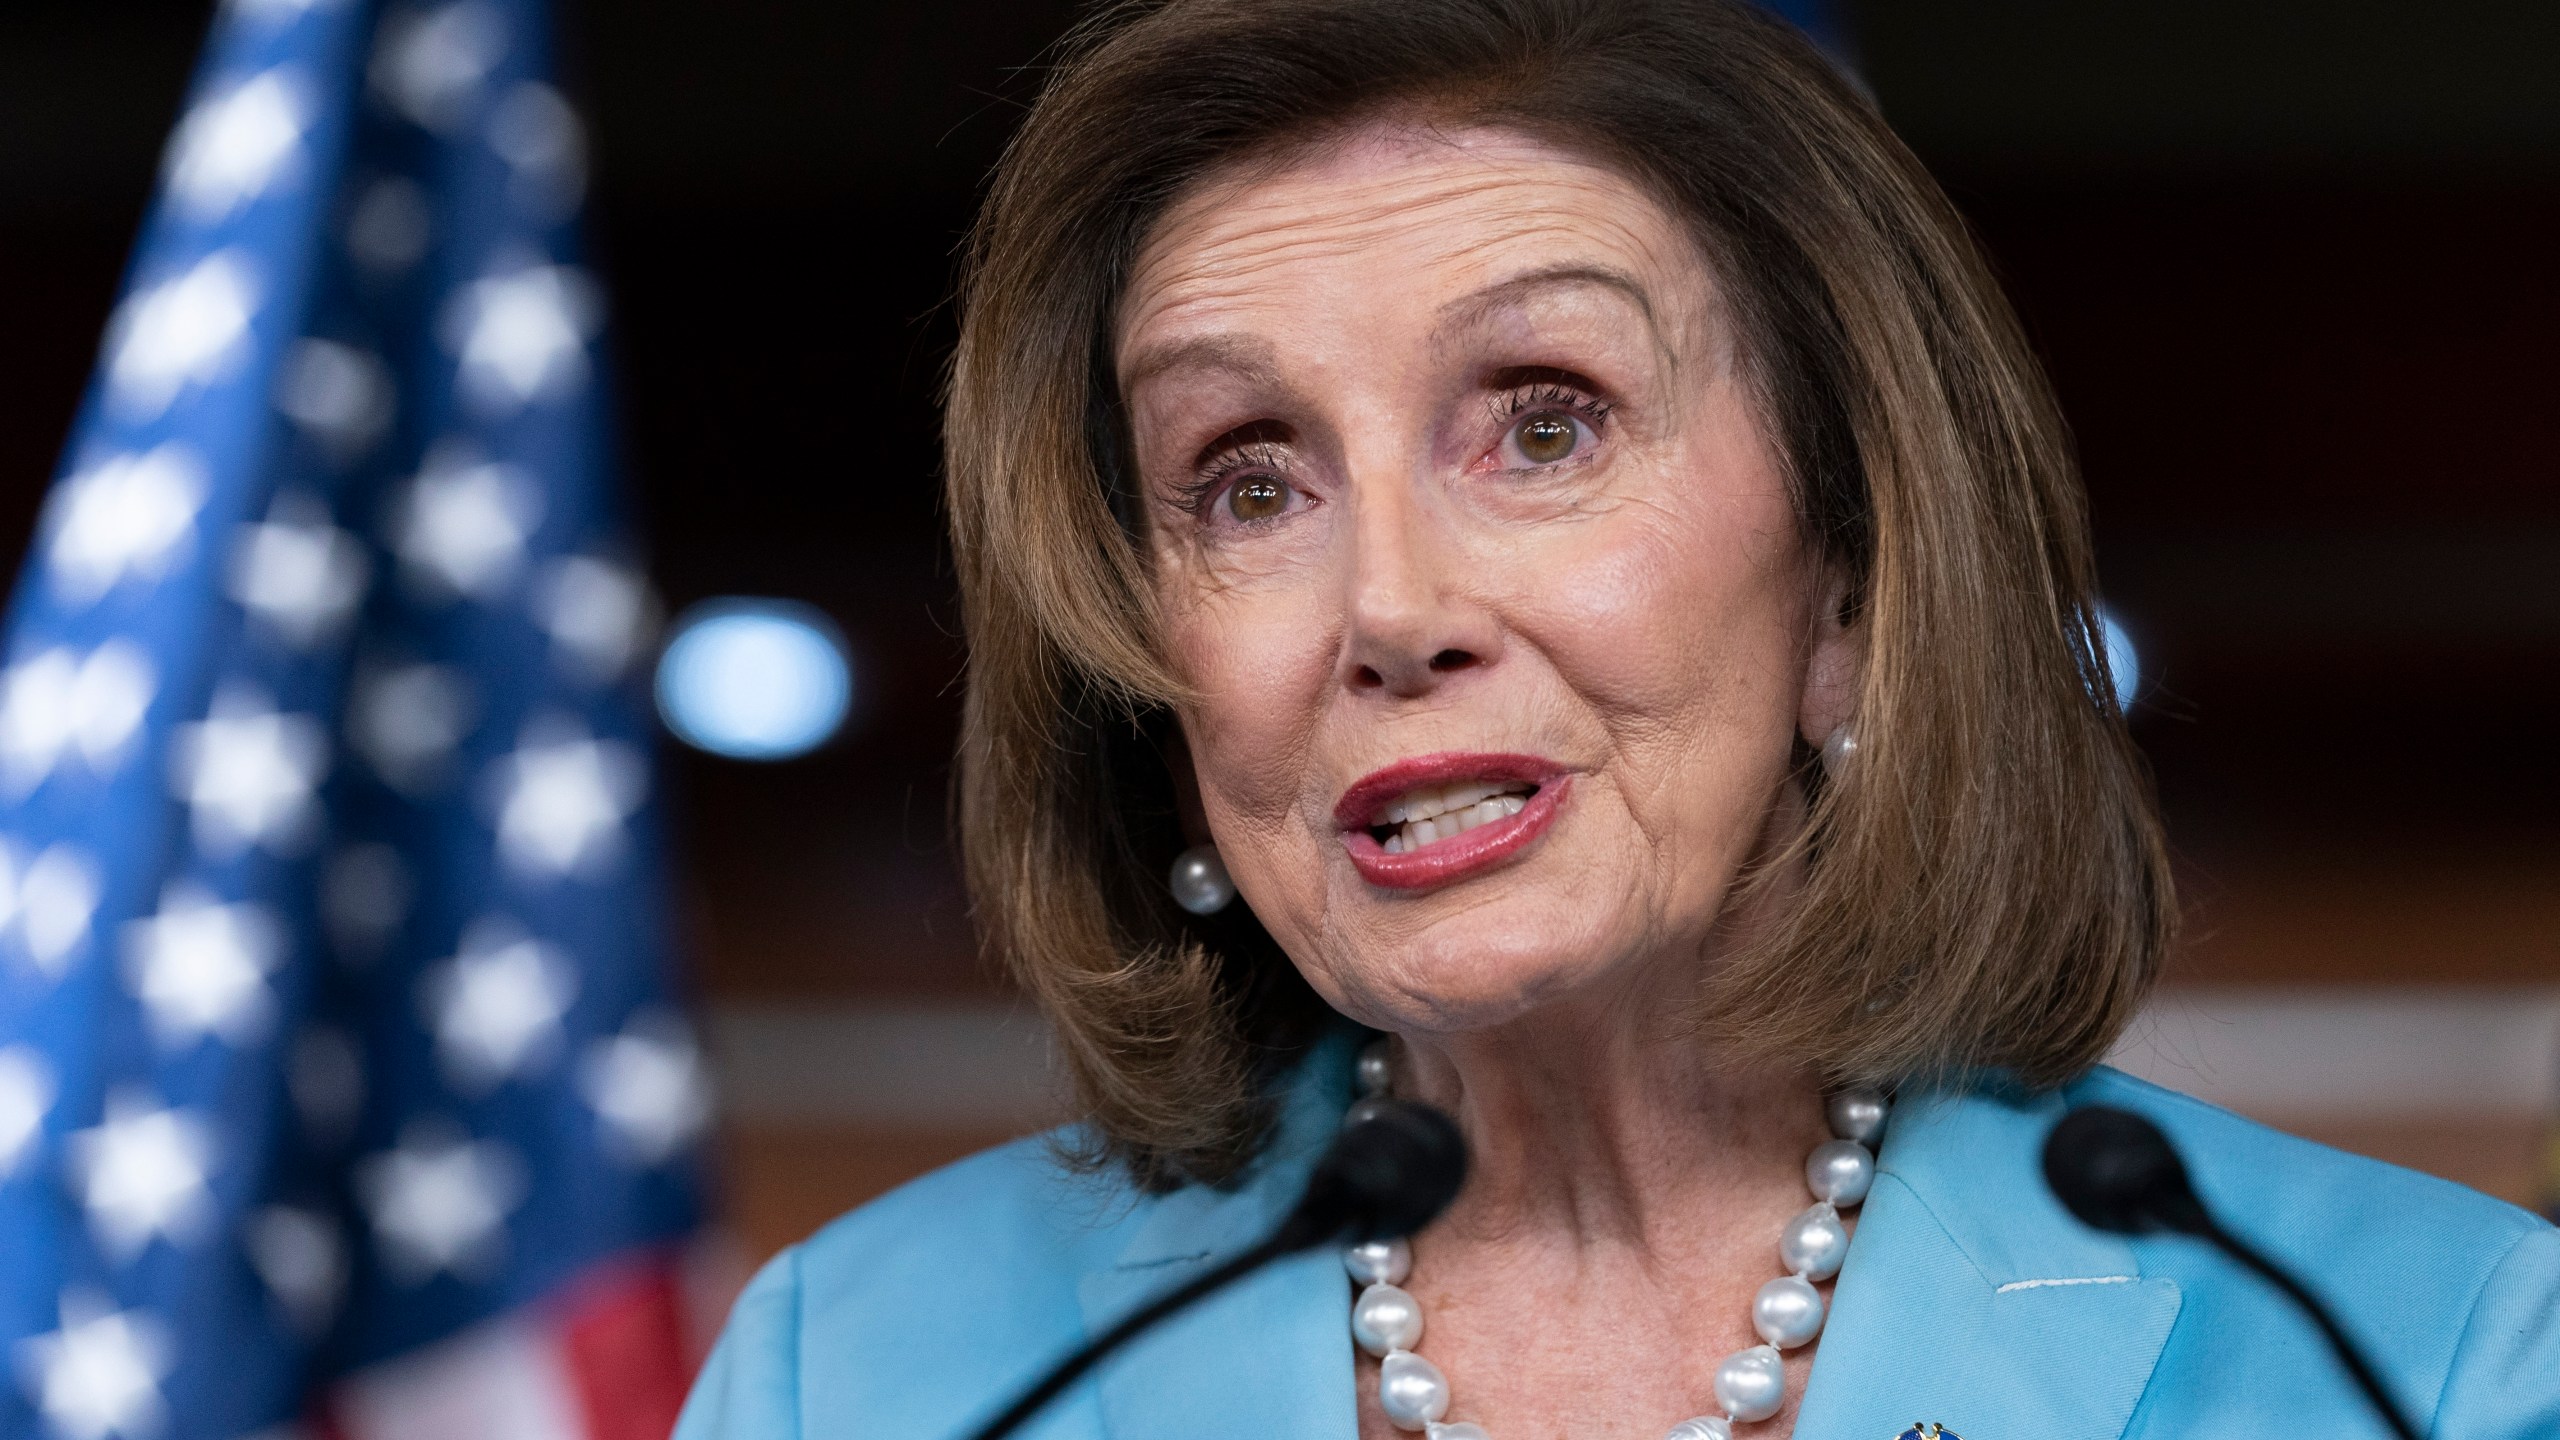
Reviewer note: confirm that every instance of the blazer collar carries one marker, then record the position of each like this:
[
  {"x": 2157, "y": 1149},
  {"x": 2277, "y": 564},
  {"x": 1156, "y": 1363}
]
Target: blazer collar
[
  {"x": 1970, "y": 1298},
  {"x": 1973, "y": 1300}
]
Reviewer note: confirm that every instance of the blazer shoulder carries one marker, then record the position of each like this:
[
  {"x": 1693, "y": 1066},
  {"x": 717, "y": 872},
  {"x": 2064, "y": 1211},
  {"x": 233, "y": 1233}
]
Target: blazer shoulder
[
  {"x": 902, "y": 1315},
  {"x": 749, "y": 1386},
  {"x": 1011, "y": 1217},
  {"x": 2240, "y": 1166},
  {"x": 2449, "y": 1289}
]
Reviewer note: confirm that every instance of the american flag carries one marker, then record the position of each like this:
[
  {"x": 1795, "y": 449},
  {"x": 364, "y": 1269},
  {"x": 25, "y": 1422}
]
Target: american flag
[{"x": 342, "y": 1086}]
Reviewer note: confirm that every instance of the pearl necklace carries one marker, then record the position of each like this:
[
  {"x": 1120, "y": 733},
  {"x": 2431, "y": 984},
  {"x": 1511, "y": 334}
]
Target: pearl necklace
[{"x": 1386, "y": 1320}]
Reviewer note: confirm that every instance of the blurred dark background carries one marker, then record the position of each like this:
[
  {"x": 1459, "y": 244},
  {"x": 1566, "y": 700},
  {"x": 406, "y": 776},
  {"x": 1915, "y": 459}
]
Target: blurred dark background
[{"x": 2291, "y": 262}]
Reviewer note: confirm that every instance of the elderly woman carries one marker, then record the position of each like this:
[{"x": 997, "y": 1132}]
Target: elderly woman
[{"x": 1546, "y": 496}]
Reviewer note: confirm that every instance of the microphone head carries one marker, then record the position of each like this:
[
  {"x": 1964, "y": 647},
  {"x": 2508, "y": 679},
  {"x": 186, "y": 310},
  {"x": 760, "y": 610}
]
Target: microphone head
[
  {"x": 1389, "y": 1173},
  {"x": 2116, "y": 1172}
]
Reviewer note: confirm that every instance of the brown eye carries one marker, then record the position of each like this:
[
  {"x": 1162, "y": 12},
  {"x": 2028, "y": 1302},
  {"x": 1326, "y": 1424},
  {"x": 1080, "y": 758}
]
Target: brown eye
[
  {"x": 1545, "y": 439},
  {"x": 1258, "y": 499}
]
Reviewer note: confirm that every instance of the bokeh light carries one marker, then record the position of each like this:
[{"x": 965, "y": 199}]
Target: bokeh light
[
  {"x": 2123, "y": 661},
  {"x": 754, "y": 679}
]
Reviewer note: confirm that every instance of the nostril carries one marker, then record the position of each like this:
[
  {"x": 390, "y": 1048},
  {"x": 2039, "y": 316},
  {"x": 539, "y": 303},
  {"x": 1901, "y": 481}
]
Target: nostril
[
  {"x": 1448, "y": 660},
  {"x": 1367, "y": 678}
]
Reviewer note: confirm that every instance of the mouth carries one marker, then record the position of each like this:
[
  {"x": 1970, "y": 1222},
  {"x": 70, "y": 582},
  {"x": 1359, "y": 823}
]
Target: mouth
[{"x": 1436, "y": 819}]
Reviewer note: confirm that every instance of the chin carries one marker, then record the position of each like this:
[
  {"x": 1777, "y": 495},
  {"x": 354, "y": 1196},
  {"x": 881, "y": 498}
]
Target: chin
[{"x": 1479, "y": 968}]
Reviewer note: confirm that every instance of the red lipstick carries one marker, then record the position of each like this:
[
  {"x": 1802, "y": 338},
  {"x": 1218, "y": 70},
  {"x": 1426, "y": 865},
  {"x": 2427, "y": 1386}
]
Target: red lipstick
[{"x": 1471, "y": 852}]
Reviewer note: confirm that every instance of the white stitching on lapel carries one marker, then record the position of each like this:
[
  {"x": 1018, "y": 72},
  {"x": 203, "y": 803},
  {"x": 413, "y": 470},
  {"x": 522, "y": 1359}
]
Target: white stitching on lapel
[{"x": 2067, "y": 1280}]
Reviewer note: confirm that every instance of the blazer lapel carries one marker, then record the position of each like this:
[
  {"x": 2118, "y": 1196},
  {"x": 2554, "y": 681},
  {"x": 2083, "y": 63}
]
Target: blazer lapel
[
  {"x": 1270, "y": 1357},
  {"x": 1971, "y": 1299}
]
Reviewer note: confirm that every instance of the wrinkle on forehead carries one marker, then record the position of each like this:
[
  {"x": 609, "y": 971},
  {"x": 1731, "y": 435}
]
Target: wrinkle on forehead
[{"x": 1472, "y": 205}]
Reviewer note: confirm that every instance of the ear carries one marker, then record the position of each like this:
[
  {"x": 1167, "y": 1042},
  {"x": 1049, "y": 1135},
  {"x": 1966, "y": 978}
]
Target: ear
[{"x": 1836, "y": 658}]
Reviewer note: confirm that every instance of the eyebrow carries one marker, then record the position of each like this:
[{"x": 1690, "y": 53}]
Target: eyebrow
[
  {"x": 1469, "y": 309},
  {"x": 1239, "y": 355}
]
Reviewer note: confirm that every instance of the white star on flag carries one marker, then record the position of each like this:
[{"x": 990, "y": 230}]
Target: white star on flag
[
  {"x": 184, "y": 331},
  {"x": 647, "y": 1085},
  {"x": 388, "y": 226},
  {"x": 562, "y": 798},
  {"x": 406, "y": 720},
  {"x": 496, "y": 1005},
  {"x": 297, "y": 572},
  {"x": 597, "y": 612},
  {"x": 522, "y": 335},
  {"x": 230, "y": 148},
  {"x": 124, "y": 515},
  {"x": 200, "y": 967},
  {"x": 247, "y": 772},
  {"x": 439, "y": 1203},
  {"x": 303, "y": 1259},
  {"x": 26, "y": 1093},
  {"x": 534, "y": 130},
  {"x": 340, "y": 395},
  {"x": 461, "y": 526},
  {"x": 55, "y": 704},
  {"x": 364, "y": 895},
  {"x": 325, "y": 1076},
  {"x": 98, "y": 1377},
  {"x": 431, "y": 66},
  {"x": 141, "y": 1173},
  {"x": 48, "y": 904}
]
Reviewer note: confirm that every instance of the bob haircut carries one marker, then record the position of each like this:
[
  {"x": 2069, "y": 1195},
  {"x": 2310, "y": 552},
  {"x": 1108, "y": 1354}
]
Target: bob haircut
[{"x": 1983, "y": 885}]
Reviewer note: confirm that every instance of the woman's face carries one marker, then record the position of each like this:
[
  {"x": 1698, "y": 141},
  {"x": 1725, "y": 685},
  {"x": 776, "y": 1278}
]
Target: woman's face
[{"x": 1484, "y": 569}]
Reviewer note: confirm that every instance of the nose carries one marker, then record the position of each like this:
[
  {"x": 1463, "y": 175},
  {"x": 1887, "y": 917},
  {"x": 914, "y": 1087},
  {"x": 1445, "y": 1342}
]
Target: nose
[{"x": 1413, "y": 620}]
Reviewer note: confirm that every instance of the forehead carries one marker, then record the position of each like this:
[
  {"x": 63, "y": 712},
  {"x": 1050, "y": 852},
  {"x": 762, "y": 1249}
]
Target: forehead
[{"x": 1397, "y": 220}]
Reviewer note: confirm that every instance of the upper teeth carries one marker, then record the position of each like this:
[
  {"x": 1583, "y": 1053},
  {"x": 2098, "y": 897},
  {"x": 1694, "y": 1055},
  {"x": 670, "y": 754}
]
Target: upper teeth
[{"x": 1436, "y": 812}]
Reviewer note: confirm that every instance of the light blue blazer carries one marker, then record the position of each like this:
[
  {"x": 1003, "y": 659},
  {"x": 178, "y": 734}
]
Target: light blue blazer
[{"x": 1970, "y": 1299}]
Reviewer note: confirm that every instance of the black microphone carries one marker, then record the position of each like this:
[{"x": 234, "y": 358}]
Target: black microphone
[
  {"x": 2115, "y": 1171},
  {"x": 1390, "y": 1172}
]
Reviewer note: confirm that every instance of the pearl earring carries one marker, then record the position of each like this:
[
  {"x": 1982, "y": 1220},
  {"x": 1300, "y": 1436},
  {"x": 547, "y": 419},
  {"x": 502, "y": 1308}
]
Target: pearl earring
[
  {"x": 1199, "y": 881},
  {"x": 1838, "y": 750}
]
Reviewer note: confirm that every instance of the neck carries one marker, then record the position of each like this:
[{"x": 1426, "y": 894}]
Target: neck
[{"x": 1611, "y": 1124}]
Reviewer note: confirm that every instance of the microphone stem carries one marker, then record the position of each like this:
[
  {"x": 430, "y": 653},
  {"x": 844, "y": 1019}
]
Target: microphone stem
[
  {"x": 1137, "y": 1322},
  {"x": 2347, "y": 1353}
]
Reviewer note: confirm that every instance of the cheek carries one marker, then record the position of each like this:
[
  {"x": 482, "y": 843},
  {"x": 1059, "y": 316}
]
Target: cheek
[
  {"x": 1675, "y": 615},
  {"x": 1676, "y": 627},
  {"x": 1260, "y": 664}
]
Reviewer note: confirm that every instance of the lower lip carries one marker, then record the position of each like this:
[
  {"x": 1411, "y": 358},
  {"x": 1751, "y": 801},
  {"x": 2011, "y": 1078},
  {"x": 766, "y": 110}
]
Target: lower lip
[{"x": 1471, "y": 852}]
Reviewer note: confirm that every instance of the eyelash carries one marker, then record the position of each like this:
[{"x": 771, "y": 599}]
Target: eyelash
[{"x": 1521, "y": 400}]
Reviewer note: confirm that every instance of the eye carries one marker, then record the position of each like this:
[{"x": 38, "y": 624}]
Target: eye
[
  {"x": 1548, "y": 418},
  {"x": 1546, "y": 439},
  {"x": 1242, "y": 479},
  {"x": 1262, "y": 497}
]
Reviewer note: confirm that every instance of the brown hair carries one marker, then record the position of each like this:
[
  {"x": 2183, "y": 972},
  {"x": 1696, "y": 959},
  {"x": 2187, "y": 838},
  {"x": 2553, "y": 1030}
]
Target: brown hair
[{"x": 1983, "y": 886}]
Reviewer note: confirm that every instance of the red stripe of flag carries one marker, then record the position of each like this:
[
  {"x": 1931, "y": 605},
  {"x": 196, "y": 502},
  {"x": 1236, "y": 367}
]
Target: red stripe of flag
[{"x": 622, "y": 1329}]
